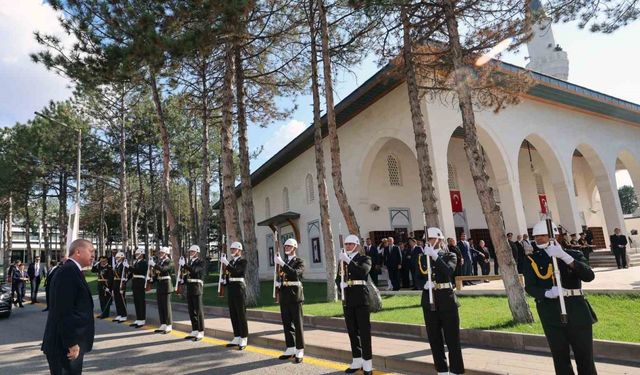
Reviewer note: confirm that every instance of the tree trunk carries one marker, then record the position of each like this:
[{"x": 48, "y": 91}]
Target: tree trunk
[
  {"x": 222, "y": 230},
  {"x": 140, "y": 201},
  {"x": 336, "y": 168},
  {"x": 45, "y": 226},
  {"x": 427, "y": 191},
  {"x": 62, "y": 215},
  {"x": 226, "y": 139},
  {"x": 101, "y": 249},
  {"x": 515, "y": 292},
  {"x": 323, "y": 195},
  {"x": 124, "y": 196},
  {"x": 152, "y": 189},
  {"x": 248, "y": 216},
  {"x": 193, "y": 215},
  {"x": 27, "y": 228},
  {"x": 205, "y": 192},
  {"x": 9, "y": 236},
  {"x": 166, "y": 170}
]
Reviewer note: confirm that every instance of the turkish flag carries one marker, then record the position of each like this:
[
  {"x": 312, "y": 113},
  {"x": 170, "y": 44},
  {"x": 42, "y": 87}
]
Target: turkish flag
[
  {"x": 456, "y": 200},
  {"x": 543, "y": 203}
]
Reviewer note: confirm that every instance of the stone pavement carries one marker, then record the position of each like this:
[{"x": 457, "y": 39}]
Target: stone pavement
[{"x": 401, "y": 356}]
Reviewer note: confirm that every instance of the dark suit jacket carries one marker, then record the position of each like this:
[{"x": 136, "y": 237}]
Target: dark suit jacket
[
  {"x": 465, "y": 251},
  {"x": 291, "y": 271},
  {"x": 617, "y": 241},
  {"x": 31, "y": 271},
  {"x": 376, "y": 259},
  {"x": 70, "y": 320},
  {"x": 395, "y": 257}
]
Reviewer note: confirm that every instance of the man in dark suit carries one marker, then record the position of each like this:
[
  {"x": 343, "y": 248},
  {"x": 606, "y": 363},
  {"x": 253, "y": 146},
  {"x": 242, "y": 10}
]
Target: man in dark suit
[
  {"x": 291, "y": 300},
  {"x": 371, "y": 251},
  {"x": 619, "y": 247},
  {"x": 394, "y": 264},
  {"x": 415, "y": 253},
  {"x": 53, "y": 268},
  {"x": 70, "y": 329},
  {"x": 19, "y": 282},
  {"x": 467, "y": 260},
  {"x": 36, "y": 274}
]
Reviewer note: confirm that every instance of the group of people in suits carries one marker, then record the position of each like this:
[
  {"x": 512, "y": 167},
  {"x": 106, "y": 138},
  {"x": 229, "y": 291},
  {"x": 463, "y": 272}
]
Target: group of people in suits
[{"x": 18, "y": 277}]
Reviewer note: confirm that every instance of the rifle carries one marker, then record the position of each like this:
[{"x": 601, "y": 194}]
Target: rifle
[
  {"x": 556, "y": 270},
  {"x": 342, "y": 265},
  {"x": 432, "y": 303},
  {"x": 125, "y": 267},
  {"x": 149, "y": 278},
  {"x": 223, "y": 268},
  {"x": 276, "y": 269},
  {"x": 178, "y": 275}
]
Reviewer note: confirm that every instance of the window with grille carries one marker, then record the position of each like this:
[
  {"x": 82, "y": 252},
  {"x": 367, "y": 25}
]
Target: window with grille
[
  {"x": 267, "y": 207},
  {"x": 394, "y": 171},
  {"x": 539, "y": 183},
  {"x": 285, "y": 199},
  {"x": 310, "y": 191},
  {"x": 453, "y": 177}
]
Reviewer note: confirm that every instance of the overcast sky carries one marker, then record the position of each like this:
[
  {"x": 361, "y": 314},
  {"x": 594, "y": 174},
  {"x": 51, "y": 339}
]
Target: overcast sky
[{"x": 605, "y": 63}]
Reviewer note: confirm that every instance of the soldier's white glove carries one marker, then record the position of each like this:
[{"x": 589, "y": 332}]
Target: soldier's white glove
[
  {"x": 556, "y": 251},
  {"x": 125, "y": 263},
  {"x": 278, "y": 260},
  {"x": 152, "y": 263},
  {"x": 181, "y": 261},
  {"x": 343, "y": 285},
  {"x": 428, "y": 285},
  {"x": 552, "y": 293},
  {"x": 431, "y": 251},
  {"x": 345, "y": 258},
  {"x": 278, "y": 284},
  {"x": 224, "y": 260},
  {"x": 107, "y": 290}
]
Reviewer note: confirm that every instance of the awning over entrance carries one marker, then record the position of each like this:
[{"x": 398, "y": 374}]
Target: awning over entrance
[{"x": 284, "y": 218}]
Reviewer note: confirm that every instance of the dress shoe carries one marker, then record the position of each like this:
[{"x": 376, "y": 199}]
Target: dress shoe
[
  {"x": 139, "y": 326},
  {"x": 367, "y": 372},
  {"x": 241, "y": 347},
  {"x": 298, "y": 359},
  {"x": 197, "y": 338},
  {"x": 352, "y": 370},
  {"x": 230, "y": 345},
  {"x": 285, "y": 357}
]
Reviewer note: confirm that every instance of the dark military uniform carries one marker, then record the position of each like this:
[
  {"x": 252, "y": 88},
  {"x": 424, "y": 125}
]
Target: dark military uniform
[
  {"x": 105, "y": 280},
  {"x": 164, "y": 288},
  {"x": 577, "y": 333},
  {"x": 291, "y": 300},
  {"x": 445, "y": 320},
  {"x": 356, "y": 305},
  {"x": 236, "y": 294},
  {"x": 193, "y": 278},
  {"x": 119, "y": 289},
  {"x": 138, "y": 284}
]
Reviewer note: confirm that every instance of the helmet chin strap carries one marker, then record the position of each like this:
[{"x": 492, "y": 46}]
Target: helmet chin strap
[{"x": 543, "y": 246}]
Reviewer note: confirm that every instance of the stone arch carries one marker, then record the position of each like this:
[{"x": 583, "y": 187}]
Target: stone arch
[
  {"x": 632, "y": 165},
  {"x": 558, "y": 183},
  {"x": 503, "y": 178},
  {"x": 605, "y": 181}
]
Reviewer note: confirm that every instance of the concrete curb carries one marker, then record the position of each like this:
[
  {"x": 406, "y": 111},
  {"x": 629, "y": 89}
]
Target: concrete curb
[{"x": 609, "y": 351}]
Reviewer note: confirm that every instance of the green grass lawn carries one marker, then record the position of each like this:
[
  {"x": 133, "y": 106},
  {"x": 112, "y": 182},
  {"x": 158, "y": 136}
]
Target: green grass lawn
[{"x": 615, "y": 312}]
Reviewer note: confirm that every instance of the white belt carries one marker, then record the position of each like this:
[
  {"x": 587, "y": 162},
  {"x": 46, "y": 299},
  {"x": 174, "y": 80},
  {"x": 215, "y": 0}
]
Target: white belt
[
  {"x": 164, "y": 278},
  {"x": 139, "y": 277},
  {"x": 572, "y": 292},
  {"x": 236, "y": 279},
  {"x": 291, "y": 283},
  {"x": 194, "y": 281},
  {"x": 356, "y": 282}
]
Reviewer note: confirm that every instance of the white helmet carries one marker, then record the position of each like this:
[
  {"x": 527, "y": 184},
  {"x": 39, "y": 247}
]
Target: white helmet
[
  {"x": 291, "y": 242},
  {"x": 119, "y": 254},
  {"x": 434, "y": 232},
  {"x": 165, "y": 249},
  {"x": 540, "y": 229},
  {"x": 195, "y": 248},
  {"x": 236, "y": 245},
  {"x": 139, "y": 251},
  {"x": 352, "y": 238}
]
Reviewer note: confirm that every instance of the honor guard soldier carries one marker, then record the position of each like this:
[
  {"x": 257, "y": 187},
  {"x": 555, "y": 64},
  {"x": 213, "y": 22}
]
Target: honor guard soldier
[
  {"x": 291, "y": 300},
  {"x": 162, "y": 271},
  {"x": 119, "y": 287},
  {"x": 192, "y": 276},
  {"x": 355, "y": 304},
  {"x": 103, "y": 270},
  {"x": 439, "y": 304},
  {"x": 576, "y": 333},
  {"x": 138, "y": 285},
  {"x": 236, "y": 293}
]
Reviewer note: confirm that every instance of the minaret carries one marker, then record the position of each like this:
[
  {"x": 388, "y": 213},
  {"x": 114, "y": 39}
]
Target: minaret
[{"x": 545, "y": 56}]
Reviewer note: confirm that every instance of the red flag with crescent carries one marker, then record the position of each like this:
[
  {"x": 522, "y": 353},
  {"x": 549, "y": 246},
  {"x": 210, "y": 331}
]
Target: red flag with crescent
[
  {"x": 543, "y": 203},
  {"x": 456, "y": 200}
]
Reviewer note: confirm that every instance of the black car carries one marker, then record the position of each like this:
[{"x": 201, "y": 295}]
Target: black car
[{"x": 5, "y": 300}]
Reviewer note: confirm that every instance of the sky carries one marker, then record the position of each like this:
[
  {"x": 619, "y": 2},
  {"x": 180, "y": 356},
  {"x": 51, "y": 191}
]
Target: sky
[{"x": 605, "y": 63}]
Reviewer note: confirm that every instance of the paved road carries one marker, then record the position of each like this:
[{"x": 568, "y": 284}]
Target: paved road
[{"x": 119, "y": 349}]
